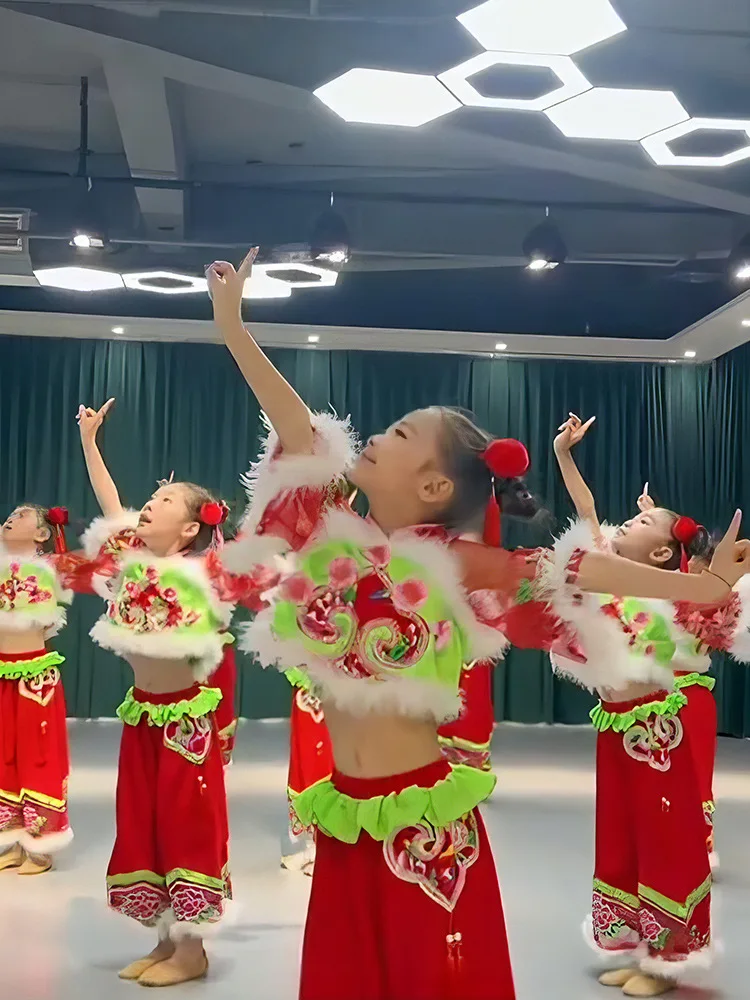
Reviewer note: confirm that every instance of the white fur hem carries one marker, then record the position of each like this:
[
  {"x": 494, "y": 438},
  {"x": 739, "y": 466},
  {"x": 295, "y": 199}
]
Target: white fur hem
[
  {"x": 714, "y": 862},
  {"x": 178, "y": 930},
  {"x": 611, "y": 958},
  {"x": 9, "y": 838},
  {"x": 248, "y": 550},
  {"x": 102, "y": 528},
  {"x": 52, "y": 843},
  {"x": 690, "y": 970},
  {"x": 204, "y": 652},
  {"x": 25, "y": 621}
]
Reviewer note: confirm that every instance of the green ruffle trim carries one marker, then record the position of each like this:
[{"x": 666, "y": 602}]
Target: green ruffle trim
[
  {"x": 343, "y": 817},
  {"x": 620, "y": 722},
  {"x": 131, "y": 711},
  {"x": 16, "y": 670},
  {"x": 690, "y": 680},
  {"x": 299, "y": 678}
]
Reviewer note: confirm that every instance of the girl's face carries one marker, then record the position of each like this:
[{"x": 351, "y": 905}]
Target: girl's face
[
  {"x": 646, "y": 538},
  {"x": 22, "y": 531},
  {"x": 400, "y": 472},
  {"x": 166, "y": 525}
]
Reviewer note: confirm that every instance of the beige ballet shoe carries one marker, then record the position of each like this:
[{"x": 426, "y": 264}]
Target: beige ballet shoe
[
  {"x": 12, "y": 859},
  {"x": 647, "y": 986},
  {"x": 35, "y": 864},
  {"x": 136, "y": 969},
  {"x": 172, "y": 973},
  {"x": 617, "y": 977}
]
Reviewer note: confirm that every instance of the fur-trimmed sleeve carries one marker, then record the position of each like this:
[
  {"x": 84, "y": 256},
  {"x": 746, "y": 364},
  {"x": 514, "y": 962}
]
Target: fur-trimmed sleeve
[
  {"x": 725, "y": 628},
  {"x": 289, "y": 494},
  {"x": 247, "y": 589},
  {"x": 110, "y": 533}
]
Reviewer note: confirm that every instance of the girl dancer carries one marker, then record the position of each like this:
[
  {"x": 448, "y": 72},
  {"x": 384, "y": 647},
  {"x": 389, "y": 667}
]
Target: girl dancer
[
  {"x": 652, "y": 880},
  {"x": 377, "y": 613},
  {"x": 169, "y": 602},
  {"x": 34, "y": 761}
]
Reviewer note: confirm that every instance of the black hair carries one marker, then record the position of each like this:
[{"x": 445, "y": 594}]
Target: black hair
[
  {"x": 48, "y": 545},
  {"x": 701, "y": 547},
  {"x": 462, "y": 443},
  {"x": 195, "y": 497}
]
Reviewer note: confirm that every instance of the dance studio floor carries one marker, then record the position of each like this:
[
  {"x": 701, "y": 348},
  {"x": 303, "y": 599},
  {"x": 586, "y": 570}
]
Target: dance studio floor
[{"x": 59, "y": 942}]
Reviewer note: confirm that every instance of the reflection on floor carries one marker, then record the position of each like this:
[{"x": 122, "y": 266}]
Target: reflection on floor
[{"x": 59, "y": 942}]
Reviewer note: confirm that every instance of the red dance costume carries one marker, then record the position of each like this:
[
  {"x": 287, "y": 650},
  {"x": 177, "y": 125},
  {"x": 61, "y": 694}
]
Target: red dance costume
[
  {"x": 310, "y": 753},
  {"x": 225, "y": 679},
  {"x": 468, "y": 740},
  {"x": 701, "y": 724}
]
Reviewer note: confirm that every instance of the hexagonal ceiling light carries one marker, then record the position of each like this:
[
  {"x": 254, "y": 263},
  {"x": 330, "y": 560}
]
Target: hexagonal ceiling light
[
  {"x": 383, "y": 97},
  {"x": 79, "y": 279},
  {"x": 657, "y": 146},
  {"x": 458, "y": 81},
  {"x": 551, "y": 27},
  {"x": 613, "y": 113}
]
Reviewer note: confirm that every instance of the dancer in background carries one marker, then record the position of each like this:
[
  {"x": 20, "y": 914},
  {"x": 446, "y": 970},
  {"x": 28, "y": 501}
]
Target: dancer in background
[
  {"x": 169, "y": 602},
  {"x": 377, "y": 612},
  {"x": 34, "y": 761}
]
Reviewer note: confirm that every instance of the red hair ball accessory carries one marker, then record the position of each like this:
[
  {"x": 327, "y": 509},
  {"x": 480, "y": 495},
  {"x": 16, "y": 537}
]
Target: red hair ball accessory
[
  {"x": 684, "y": 530},
  {"x": 57, "y": 518},
  {"x": 506, "y": 458},
  {"x": 213, "y": 513}
]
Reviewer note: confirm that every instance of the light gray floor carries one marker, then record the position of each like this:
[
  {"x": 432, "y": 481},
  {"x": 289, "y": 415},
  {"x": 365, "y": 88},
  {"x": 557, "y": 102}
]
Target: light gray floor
[{"x": 59, "y": 942}]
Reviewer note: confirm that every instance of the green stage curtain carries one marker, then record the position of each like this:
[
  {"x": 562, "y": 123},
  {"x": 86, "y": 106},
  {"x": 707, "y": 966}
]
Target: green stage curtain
[{"x": 184, "y": 407}]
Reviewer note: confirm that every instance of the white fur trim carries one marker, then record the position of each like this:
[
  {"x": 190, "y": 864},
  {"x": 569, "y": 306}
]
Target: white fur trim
[
  {"x": 739, "y": 647},
  {"x": 714, "y": 862},
  {"x": 204, "y": 652},
  {"x": 334, "y": 451},
  {"x": 178, "y": 930},
  {"x": 52, "y": 843},
  {"x": 102, "y": 528},
  {"x": 50, "y": 621},
  {"x": 691, "y": 970},
  {"x": 8, "y": 839},
  {"x": 611, "y": 958},
  {"x": 610, "y": 662},
  {"x": 249, "y": 550}
]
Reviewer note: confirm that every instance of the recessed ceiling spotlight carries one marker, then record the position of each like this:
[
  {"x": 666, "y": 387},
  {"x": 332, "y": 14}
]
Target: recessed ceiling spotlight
[
  {"x": 501, "y": 347},
  {"x": 87, "y": 241},
  {"x": 313, "y": 339},
  {"x": 118, "y": 329},
  {"x": 544, "y": 246},
  {"x": 78, "y": 279},
  {"x": 738, "y": 262},
  {"x": 383, "y": 97},
  {"x": 689, "y": 354},
  {"x": 330, "y": 241}
]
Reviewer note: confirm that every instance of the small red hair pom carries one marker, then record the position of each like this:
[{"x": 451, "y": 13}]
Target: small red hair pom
[
  {"x": 684, "y": 530},
  {"x": 506, "y": 458},
  {"x": 57, "y": 516},
  {"x": 212, "y": 513}
]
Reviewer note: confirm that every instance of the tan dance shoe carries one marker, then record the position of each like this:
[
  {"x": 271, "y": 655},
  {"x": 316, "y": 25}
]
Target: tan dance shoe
[
  {"x": 172, "y": 972},
  {"x": 647, "y": 986},
  {"x": 12, "y": 858},
  {"x": 35, "y": 864},
  {"x": 617, "y": 977}
]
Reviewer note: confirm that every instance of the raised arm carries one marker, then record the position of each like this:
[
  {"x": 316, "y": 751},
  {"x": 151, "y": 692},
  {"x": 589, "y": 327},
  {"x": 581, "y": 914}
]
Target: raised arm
[
  {"x": 571, "y": 432},
  {"x": 89, "y": 422},
  {"x": 287, "y": 412}
]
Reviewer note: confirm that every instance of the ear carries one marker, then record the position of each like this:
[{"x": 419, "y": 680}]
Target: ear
[
  {"x": 42, "y": 535},
  {"x": 436, "y": 489},
  {"x": 191, "y": 530},
  {"x": 661, "y": 555}
]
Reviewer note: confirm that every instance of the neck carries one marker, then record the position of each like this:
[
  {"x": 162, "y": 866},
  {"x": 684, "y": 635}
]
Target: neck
[{"x": 21, "y": 549}]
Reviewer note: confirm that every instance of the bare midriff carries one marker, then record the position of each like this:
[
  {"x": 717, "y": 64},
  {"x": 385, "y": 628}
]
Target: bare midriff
[
  {"x": 25, "y": 641},
  {"x": 161, "y": 676},
  {"x": 632, "y": 692},
  {"x": 377, "y": 746}
]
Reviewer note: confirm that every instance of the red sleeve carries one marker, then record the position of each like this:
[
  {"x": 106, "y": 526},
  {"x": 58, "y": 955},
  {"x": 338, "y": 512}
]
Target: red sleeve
[
  {"x": 715, "y": 628},
  {"x": 294, "y": 516},
  {"x": 240, "y": 588}
]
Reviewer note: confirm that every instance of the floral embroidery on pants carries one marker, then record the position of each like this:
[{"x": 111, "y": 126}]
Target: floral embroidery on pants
[
  {"x": 615, "y": 923},
  {"x": 191, "y": 738},
  {"x": 41, "y": 687},
  {"x": 435, "y": 858},
  {"x": 653, "y": 741}
]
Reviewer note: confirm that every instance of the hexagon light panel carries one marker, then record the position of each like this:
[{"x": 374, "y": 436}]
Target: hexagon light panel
[
  {"x": 383, "y": 97},
  {"x": 458, "y": 80},
  {"x": 613, "y": 113},
  {"x": 658, "y": 148},
  {"x": 551, "y": 27}
]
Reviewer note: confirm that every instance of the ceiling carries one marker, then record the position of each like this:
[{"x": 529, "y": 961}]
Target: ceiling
[{"x": 210, "y": 105}]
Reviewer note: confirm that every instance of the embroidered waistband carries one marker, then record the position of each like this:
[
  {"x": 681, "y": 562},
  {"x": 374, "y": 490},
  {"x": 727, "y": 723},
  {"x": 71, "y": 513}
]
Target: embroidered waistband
[
  {"x": 160, "y": 709},
  {"x": 620, "y": 716},
  {"x": 15, "y": 666}
]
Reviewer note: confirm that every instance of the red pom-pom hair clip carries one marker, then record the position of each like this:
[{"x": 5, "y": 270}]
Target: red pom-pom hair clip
[
  {"x": 506, "y": 458},
  {"x": 214, "y": 513},
  {"x": 57, "y": 518},
  {"x": 684, "y": 531}
]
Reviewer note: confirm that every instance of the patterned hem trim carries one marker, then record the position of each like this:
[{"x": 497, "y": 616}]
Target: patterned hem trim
[
  {"x": 184, "y": 898},
  {"x": 620, "y": 722},
  {"x": 681, "y": 911},
  {"x": 15, "y": 670},
  {"x": 131, "y": 711}
]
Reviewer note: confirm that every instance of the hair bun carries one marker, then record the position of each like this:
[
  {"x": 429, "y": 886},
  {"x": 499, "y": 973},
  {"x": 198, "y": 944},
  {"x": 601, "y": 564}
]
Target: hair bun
[
  {"x": 213, "y": 513},
  {"x": 685, "y": 530},
  {"x": 506, "y": 458},
  {"x": 57, "y": 516}
]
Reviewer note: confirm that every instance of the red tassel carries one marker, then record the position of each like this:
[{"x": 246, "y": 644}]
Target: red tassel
[
  {"x": 684, "y": 560},
  {"x": 492, "y": 529}
]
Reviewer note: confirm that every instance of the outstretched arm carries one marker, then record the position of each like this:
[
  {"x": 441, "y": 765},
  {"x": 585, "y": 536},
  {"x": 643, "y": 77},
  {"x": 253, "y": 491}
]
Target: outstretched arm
[
  {"x": 571, "y": 432},
  {"x": 89, "y": 422},
  {"x": 287, "y": 412}
]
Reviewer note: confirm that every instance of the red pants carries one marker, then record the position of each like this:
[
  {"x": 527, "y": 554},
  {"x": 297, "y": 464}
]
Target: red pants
[
  {"x": 34, "y": 762},
  {"x": 169, "y": 862},
  {"x": 386, "y": 922},
  {"x": 225, "y": 678},
  {"x": 468, "y": 739},
  {"x": 310, "y": 754},
  {"x": 652, "y": 880},
  {"x": 699, "y": 719}
]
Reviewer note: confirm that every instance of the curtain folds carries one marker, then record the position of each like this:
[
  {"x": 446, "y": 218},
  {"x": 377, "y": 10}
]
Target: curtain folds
[{"x": 184, "y": 407}]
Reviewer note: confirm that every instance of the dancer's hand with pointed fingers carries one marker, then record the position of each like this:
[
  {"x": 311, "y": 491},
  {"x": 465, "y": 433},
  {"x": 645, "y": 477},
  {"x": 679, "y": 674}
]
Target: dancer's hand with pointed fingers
[
  {"x": 645, "y": 501},
  {"x": 90, "y": 420},
  {"x": 731, "y": 560},
  {"x": 571, "y": 431},
  {"x": 225, "y": 287}
]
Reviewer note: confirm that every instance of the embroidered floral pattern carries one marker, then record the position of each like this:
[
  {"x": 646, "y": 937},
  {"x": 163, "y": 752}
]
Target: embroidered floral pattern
[
  {"x": 143, "y": 606},
  {"x": 615, "y": 924},
  {"x": 190, "y": 738},
  {"x": 17, "y": 590},
  {"x": 479, "y": 758},
  {"x": 654, "y": 740},
  {"x": 714, "y": 629},
  {"x": 40, "y": 688},
  {"x": 435, "y": 858},
  {"x": 10, "y": 817},
  {"x": 196, "y": 903},
  {"x": 652, "y": 932},
  {"x": 307, "y": 702},
  {"x": 141, "y": 901}
]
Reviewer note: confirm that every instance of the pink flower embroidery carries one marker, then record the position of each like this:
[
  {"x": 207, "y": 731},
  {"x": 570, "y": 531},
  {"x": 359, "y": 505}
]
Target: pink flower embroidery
[
  {"x": 297, "y": 588},
  {"x": 487, "y": 606},
  {"x": 410, "y": 595},
  {"x": 443, "y": 633},
  {"x": 342, "y": 573},
  {"x": 378, "y": 555}
]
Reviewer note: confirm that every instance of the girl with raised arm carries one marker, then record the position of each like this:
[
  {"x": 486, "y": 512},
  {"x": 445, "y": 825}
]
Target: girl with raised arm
[
  {"x": 382, "y": 613},
  {"x": 169, "y": 602},
  {"x": 34, "y": 761}
]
